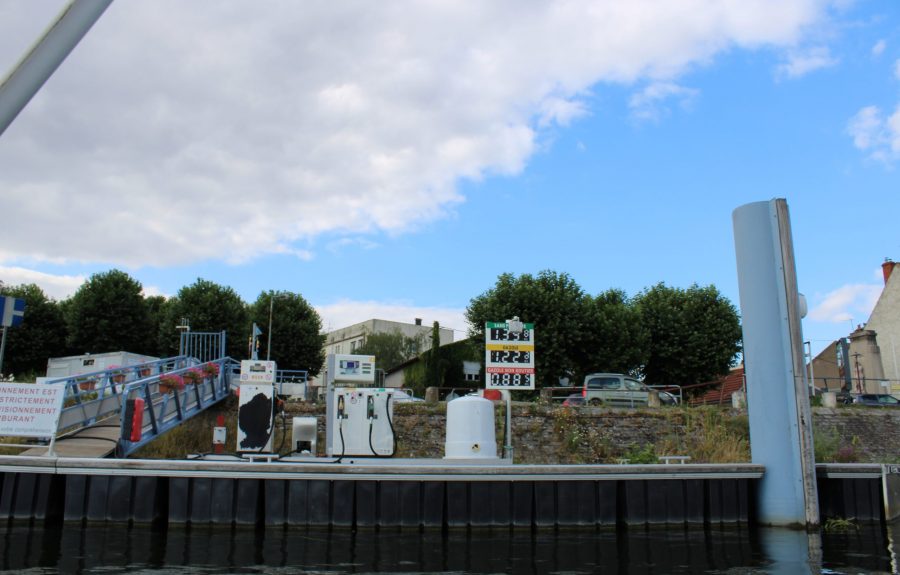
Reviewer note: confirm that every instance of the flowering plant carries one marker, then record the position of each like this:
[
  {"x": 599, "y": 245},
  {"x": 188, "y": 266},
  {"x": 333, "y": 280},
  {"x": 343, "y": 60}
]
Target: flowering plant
[
  {"x": 194, "y": 375},
  {"x": 170, "y": 381},
  {"x": 88, "y": 383},
  {"x": 210, "y": 369}
]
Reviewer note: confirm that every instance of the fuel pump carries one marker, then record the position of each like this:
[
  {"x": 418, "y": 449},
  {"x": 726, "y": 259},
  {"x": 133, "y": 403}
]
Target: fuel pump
[
  {"x": 256, "y": 407},
  {"x": 359, "y": 416}
]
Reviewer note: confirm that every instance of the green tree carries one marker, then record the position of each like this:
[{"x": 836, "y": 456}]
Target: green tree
[
  {"x": 41, "y": 335},
  {"x": 297, "y": 339},
  {"x": 616, "y": 339},
  {"x": 436, "y": 364},
  {"x": 558, "y": 308},
  {"x": 156, "y": 315},
  {"x": 390, "y": 348},
  {"x": 108, "y": 313},
  {"x": 210, "y": 308},
  {"x": 694, "y": 334}
]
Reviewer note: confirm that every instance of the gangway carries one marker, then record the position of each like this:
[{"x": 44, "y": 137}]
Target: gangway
[{"x": 92, "y": 422}]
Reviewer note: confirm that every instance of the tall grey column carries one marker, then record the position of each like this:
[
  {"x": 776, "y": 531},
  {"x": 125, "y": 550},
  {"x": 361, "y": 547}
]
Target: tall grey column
[
  {"x": 777, "y": 393},
  {"x": 45, "y": 56}
]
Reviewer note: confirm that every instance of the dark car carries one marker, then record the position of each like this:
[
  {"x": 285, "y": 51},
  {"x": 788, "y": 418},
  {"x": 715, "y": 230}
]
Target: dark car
[
  {"x": 877, "y": 399},
  {"x": 574, "y": 400}
]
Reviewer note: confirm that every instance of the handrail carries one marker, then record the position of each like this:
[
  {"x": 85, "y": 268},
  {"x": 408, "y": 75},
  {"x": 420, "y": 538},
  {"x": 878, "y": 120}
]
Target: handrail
[
  {"x": 93, "y": 396},
  {"x": 164, "y": 411}
]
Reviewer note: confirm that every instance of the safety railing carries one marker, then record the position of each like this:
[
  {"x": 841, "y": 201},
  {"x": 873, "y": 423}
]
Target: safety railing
[
  {"x": 159, "y": 410},
  {"x": 92, "y": 397}
]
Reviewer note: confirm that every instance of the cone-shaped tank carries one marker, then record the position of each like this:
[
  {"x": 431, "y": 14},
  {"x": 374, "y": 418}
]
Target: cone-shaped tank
[{"x": 470, "y": 429}]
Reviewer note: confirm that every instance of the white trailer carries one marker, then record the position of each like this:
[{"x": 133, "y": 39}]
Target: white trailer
[{"x": 58, "y": 367}]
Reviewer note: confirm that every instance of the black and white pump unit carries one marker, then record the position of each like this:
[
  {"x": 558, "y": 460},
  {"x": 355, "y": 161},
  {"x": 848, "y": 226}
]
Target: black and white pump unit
[
  {"x": 359, "y": 417},
  {"x": 256, "y": 407}
]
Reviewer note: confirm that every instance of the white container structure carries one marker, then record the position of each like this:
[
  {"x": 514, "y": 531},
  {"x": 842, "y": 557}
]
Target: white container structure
[{"x": 470, "y": 429}]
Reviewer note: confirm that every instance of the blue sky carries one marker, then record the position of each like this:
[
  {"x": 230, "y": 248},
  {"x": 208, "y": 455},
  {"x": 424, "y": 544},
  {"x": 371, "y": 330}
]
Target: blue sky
[{"x": 391, "y": 160}]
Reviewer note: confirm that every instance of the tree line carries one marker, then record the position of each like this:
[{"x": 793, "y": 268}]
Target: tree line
[
  {"x": 109, "y": 312},
  {"x": 664, "y": 334}
]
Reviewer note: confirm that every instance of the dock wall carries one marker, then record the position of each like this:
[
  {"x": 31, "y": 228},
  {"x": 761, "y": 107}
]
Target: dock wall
[{"x": 363, "y": 495}]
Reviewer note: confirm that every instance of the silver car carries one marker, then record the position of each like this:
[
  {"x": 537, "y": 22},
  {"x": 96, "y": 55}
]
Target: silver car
[{"x": 617, "y": 390}]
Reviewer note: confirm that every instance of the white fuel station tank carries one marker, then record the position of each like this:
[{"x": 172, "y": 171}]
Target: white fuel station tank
[{"x": 470, "y": 429}]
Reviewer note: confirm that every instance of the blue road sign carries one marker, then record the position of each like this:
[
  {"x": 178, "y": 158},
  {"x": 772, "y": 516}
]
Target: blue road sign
[{"x": 13, "y": 310}]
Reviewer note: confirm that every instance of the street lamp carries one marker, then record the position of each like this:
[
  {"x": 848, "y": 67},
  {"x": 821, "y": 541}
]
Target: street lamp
[{"x": 269, "y": 338}]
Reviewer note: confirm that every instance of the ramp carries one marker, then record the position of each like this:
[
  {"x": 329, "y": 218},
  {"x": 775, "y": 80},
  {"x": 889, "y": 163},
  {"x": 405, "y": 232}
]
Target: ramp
[{"x": 93, "y": 420}]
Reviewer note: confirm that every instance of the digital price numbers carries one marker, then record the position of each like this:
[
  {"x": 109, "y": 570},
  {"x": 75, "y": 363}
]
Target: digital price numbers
[
  {"x": 511, "y": 381},
  {"x": 509, "y": 356}
]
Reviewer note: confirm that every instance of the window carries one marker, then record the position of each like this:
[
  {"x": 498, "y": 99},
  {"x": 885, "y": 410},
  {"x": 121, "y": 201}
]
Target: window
[
  {"x": 472, "y": 377},
  {"x": 632, "y": 385},
  {"x": 603, "y": 383}
]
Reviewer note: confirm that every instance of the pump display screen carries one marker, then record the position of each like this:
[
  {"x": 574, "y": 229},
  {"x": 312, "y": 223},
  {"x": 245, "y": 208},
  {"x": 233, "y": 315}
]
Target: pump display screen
[
  {"x": 347, "y": 364},
  {"x": 258, "y": 368}
]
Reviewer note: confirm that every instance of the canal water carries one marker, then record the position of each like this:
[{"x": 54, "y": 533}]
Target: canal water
[{"x": 110, "y": 549}]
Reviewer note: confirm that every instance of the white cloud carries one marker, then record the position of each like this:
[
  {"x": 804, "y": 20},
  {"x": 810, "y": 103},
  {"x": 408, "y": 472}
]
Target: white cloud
[
  {"x": 649, "y": 103},
  {"x": 852, "y": 301},
  {"x": 181, "y": 131},
  {"x": 878, "y": 48},
  {"x": 346, "y": 312},
  {"x": 800, "y": 63},
  {"x": 58, "y": 287},
  {"x": 875, "y": 134}
]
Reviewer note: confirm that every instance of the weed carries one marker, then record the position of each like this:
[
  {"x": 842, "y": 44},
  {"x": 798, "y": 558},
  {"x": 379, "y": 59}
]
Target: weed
[{"x": 839, "y": 525}]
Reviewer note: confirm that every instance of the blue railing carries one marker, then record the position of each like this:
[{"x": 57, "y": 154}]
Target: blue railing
[
  {"x": 164, "y": 411},
  {"x": 94, "y": 396},
  {"x": 282, "y": 376}
]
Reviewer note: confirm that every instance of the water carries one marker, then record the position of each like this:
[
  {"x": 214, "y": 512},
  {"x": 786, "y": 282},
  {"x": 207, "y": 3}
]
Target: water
[{"x": 110, "y": 549}]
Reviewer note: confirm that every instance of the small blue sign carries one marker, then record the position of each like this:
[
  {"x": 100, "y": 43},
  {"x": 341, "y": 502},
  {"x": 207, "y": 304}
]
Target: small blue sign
[{"x": 13, "y": 310}]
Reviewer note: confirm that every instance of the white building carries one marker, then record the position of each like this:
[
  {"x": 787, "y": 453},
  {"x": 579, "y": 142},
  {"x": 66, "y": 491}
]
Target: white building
[
  {"x": 885, "y": 322},
  {"x": 351, "y": 338}
]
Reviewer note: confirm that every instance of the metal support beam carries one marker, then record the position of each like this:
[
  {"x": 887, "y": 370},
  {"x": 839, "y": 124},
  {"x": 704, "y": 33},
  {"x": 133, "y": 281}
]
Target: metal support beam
[
  {"x": 777, "y": 393},
  {"x": 45, "y": 56}
]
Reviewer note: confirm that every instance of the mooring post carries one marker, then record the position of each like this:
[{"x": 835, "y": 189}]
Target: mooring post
[{"x": 777, "y": 392}]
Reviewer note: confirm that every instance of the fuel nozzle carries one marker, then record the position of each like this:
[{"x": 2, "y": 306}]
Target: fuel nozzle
[{"x": 370, "y": 408}]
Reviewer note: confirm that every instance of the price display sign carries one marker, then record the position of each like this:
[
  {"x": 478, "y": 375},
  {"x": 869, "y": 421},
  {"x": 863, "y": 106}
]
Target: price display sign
[{"x": 509, "y": 356}]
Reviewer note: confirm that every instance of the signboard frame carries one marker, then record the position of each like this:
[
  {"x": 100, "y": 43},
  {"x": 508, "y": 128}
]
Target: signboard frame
[
  {"x": 37, "y": 405},
  {"x": 509, "y": 356}
]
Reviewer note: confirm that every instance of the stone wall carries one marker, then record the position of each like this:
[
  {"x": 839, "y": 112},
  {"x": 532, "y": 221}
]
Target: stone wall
[
  {"x": 871, "y": 433},
  {"x": 545, "y": 434},
  {"x": 551, "y": 435}
]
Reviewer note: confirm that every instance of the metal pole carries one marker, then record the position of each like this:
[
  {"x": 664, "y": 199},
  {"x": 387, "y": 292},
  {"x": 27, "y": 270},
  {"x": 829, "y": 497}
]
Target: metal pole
[
  {"x": 45, "y": 56},
  {"x": 2, "y": 349},
  {"x": 508, "y": 448},
  {"x": 812, "y": 375},
  {"x": 269, "y": 343}
]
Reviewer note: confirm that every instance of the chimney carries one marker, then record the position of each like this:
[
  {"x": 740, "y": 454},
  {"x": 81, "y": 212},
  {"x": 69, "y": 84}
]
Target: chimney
[
  {"x": 886, "y": 268},
  {"x": 419, "y": 320}
]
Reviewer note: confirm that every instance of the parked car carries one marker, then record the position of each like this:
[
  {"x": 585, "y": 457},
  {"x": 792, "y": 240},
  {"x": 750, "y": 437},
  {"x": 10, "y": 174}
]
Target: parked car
[
  {"x": 618, "y": 390},
  {"x": 401, "y": 396},
  {"x": 574, "y": 400},
  {"x": 876, "y": 399}
]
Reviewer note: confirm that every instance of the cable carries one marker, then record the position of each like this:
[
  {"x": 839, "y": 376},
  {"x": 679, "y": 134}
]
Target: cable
[
  {"x": 387, "y": 406},
  {"x": 343, "y": 446}
]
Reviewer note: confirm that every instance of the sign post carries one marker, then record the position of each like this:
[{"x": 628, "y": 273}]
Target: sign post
[
  {"x": 509, "y": 363},
  {"x": 12, "y": 313}
]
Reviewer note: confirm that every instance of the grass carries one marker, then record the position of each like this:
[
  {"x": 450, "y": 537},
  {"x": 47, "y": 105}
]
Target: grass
[{"x": 839, "y": 525}]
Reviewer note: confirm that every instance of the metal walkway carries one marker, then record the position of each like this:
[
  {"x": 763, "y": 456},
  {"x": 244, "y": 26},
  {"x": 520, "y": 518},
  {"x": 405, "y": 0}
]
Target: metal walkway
[{"x": 93, "y": 421}]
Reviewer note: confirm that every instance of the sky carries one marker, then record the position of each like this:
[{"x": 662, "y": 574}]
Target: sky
[{"x": 391, "y": 159}]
